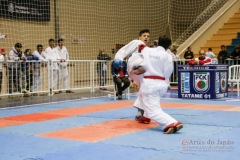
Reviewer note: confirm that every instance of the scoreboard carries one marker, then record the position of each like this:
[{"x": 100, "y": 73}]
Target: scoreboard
[{"x": 202, "y": 81}]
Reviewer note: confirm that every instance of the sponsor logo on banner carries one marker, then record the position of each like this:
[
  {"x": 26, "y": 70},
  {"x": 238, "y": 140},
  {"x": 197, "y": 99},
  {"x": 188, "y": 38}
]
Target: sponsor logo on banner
[
  {"x": 201, "y": 81},
  {"x": 217, "y": 82},
  {"x": 26, "y": 9},
  {"x": 185, "y": 81},
  {"x": 11, "y": 7},
  {"x": 223, "y": 79}
]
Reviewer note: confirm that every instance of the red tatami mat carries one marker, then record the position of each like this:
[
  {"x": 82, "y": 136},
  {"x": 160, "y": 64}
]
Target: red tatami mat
[
  {"x": 67, "y": 112},
  {"x": 34, "y": 117},
  {"x": 92, "y": 108},
  {"x": 5, "y": 123},
  {"x": 100, "y": 131},
  {"x": 61, "y": 113}
]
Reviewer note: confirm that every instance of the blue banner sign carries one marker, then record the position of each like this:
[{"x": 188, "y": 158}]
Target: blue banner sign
[{"x": 202, "y": 82}]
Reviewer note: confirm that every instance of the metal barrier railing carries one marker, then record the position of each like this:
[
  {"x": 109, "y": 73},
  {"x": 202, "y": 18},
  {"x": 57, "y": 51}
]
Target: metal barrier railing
[
  {"x": 49, "y": 77},
  {"x": 37, "y": 77},
  {"x": 20, "y": 77}
]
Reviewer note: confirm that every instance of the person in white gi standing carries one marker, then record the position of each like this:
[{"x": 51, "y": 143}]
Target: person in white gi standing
[
  {"x": 53, "y": 56},
  {"x": 157, "y": 67},
  {"x": 2, "y": 60},
  {"x": 135, "y": 59},
  {"x": 63, "y": 69},
  {"x": 37, "y": 72}
]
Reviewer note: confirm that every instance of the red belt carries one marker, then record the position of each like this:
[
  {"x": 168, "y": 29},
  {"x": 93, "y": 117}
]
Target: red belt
[{"x": 154, "y": 77}]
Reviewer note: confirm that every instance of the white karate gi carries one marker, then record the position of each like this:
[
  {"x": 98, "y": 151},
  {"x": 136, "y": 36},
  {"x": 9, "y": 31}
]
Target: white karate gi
[
  {"x": 157, "y": 62},
  {"x": 210, "y": 54},
  {"x": 63, "y": 69},
  {"x": 128, "y": 49},
  {"x": 37, "y": 72},
  {"x": 135, "y": 59},
  {"x": 52, "y": 55}
]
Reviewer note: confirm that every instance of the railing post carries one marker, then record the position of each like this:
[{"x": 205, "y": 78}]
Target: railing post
[
  {"x": 92, "y": 76},
  {"x": 50, "y": 77}
]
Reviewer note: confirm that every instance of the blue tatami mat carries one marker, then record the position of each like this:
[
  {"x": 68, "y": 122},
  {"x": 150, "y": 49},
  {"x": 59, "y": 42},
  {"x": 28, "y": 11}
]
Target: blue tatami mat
[{"x": 206, "y": 135}]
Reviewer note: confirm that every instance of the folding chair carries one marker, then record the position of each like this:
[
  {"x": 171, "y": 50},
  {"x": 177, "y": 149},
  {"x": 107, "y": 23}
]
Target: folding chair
[{"x": 234, "y": 77}]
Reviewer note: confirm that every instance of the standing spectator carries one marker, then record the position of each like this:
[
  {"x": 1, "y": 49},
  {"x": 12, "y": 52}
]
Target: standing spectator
[
  {"x": 2, "y": 60},
  {"x": 40, "y": 53},
  {"x": 174, "y": 55},
  {"x": 53, "y": 56},
  {"x": 176, "y": 62},
  {"x": 188, "y": 55},
  {"x": 37, "y": 72},
  {"x": 119, "y": 72},
  {"x": 222, "y": 55},
  {"x": 102, "y": 67},
  {"x": 14, "y": 65},
  {"x": 27, "y": 70},
  {"x": 210, "y": 54},
  {"x": 63, "y": 69}
]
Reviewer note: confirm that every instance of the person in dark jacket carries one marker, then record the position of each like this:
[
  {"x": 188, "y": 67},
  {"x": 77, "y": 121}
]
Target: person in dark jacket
[
  {"x": 236, "y": 55},
  {"x": 222, "y": 55},
  {"x": 27, "y": 70},
  {"x": 188, "y": 55},
  {"x": 120, "y": 75},
  {"x": 14, "y": 64},
  {"x": 102, "y": 67}
]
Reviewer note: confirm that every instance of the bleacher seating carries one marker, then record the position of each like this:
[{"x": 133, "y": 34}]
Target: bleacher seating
[
  {"x": 235, "y": 42},
  {"x": 228, "y": 35},
  {"x": 230, "y": 48}
]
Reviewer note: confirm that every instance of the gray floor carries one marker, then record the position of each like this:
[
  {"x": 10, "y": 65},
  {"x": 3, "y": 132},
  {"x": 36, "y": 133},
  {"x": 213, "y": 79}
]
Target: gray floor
[{"x": 14, "y": 101}]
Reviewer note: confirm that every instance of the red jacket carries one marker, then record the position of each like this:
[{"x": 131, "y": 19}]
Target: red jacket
[{"x": 205, "y": 61}]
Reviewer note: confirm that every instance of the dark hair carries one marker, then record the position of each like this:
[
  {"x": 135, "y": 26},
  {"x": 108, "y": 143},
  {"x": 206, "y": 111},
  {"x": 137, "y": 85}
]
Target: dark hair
[
  {"x": 26, "y": 50},
  {"x": 164, "y": 41},
  {"x": 18, "y": 45},
  {"x": 50, "y": 40},
  {"x": 223, "y": 46},
  {"x": 59, "y": 40},
  {"x": 210, "y": 49},
  {"x": 143, "y": 31},
  {"x": 39, "y": 45},
  {"x": 155, "y": 43}
]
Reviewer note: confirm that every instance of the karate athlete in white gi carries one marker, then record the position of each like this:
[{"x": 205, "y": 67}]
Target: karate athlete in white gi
[
  {"x": 135, "y": 59},
  {"x": 52, "y": 55},
  {"x": 63, "y": 69},
  {"x": 157, "y": 67},
  {"x": 37, "y": 73}
]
